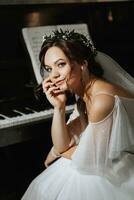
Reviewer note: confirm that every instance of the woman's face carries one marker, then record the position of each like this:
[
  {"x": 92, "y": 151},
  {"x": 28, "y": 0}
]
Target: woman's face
[{"x": 62, "y": 73}]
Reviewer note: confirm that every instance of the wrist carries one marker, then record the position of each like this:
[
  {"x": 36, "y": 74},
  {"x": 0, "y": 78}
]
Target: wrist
[{"x": 60, "y": 108}]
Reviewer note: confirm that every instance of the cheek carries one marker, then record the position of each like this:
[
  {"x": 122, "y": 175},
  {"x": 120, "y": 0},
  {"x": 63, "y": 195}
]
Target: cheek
[
  {"x": 65, "y": 72},
  {"x": 74, "y": 78}
]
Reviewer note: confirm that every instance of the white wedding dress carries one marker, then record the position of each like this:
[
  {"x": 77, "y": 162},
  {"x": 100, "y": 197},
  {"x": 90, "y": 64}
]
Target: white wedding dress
[{"x": 102, "y": 166}]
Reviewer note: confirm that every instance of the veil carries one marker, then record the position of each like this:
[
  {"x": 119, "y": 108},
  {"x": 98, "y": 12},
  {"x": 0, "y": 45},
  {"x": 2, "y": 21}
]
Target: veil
[{"x": 114, "y": 73}]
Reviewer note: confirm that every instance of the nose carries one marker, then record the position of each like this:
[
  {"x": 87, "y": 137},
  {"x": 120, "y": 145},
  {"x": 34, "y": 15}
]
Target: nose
[{"x": 55, "y": 73}]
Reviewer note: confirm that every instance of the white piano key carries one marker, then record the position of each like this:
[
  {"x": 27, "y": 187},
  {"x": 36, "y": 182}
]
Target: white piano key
[{"x": 28, "y": 118}]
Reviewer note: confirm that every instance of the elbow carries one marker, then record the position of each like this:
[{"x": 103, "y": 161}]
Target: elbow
[{"x": 62, "y": 149}]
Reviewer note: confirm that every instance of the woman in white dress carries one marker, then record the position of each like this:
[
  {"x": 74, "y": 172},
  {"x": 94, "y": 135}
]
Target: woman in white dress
[{"x": 92, "y": 154}]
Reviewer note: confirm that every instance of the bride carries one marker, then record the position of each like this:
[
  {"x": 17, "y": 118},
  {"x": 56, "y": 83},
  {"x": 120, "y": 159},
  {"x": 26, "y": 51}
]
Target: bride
[{"x": 92, "y": 154}]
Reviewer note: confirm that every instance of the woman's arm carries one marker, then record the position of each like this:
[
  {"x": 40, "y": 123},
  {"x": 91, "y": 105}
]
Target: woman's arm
[
  {"x": 59, "y": 131},
  {"x": 74, "y": 130},
  {"x": 73, "y": 127},
  {"x": 62, "y": 136}
]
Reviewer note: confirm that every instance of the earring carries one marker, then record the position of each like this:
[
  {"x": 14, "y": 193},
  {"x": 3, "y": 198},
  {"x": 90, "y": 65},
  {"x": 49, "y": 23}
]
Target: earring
[
  {"x": 82, "y": 68},
  {"x": 84, "y": 74},
  {"x": 82, "y": 77}
]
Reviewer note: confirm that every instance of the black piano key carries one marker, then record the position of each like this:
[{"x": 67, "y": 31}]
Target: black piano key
[
  {"x": 24, "y": 110},
  {"x": 1, "y": 118},
  {"x": 10, "y": 113}
]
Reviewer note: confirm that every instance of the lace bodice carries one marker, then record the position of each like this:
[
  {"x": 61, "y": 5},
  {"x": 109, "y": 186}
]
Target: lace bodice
[{"x": 105, "y": 147}]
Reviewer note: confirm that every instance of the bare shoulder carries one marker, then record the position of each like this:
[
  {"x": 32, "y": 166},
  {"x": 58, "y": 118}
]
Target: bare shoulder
[
  {"x": 101, "y": 106},
  {"x": 104, "y": 86},
  {"x": 103, "y": 103}
]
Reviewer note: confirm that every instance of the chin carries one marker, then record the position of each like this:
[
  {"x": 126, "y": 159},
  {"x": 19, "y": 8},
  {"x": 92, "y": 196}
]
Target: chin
[{"x": 64, "y": 87}]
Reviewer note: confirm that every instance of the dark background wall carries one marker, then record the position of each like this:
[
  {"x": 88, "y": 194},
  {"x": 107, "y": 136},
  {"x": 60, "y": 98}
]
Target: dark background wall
[{"x": 110, "y": 25}]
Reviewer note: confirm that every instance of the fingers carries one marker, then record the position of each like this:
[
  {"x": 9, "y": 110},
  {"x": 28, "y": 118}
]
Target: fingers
[
  {"x": 46, "y": 165},
  {"x": 50, "y": 89},
  {"x": 46, "y": 84},
  {"x": 72, "y": 142},
  {"x": 53, "y": 90}
]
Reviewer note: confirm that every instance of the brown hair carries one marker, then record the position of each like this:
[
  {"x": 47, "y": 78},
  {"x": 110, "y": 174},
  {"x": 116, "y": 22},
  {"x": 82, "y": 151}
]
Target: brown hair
[{"x": 75, "y": 51}]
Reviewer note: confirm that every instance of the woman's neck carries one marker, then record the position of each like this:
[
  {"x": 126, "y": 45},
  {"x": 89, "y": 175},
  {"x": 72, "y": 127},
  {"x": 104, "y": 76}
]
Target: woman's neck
[
  {"x": 84, "y": 89},
  {"x": 88, "y": 89}
]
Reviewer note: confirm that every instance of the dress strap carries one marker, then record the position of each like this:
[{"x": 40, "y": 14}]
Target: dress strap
[{"x": 106, "y": 93}]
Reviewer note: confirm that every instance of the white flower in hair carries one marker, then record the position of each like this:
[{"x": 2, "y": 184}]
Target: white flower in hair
[{"x": 69, "y": 35}]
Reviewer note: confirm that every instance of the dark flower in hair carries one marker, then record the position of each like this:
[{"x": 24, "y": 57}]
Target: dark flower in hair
[
  {"x": 59, "y": 35},
  {"x": 76, "y": 46}
]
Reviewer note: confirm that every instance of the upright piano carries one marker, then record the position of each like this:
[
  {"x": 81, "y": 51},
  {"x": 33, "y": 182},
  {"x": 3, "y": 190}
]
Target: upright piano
[{"x": 109, "y": 25}]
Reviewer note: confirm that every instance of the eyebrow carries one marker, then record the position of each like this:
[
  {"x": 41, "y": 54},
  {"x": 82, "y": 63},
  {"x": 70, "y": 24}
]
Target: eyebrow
[
  {"x": 58, "y": 60},
  {"x": 55, "y": 62}
]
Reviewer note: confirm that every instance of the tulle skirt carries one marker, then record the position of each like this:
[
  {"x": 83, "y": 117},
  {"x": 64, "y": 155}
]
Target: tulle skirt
[{"x": 60, "y": 181}]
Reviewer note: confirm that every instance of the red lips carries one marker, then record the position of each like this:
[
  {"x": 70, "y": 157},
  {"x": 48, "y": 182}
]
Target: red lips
[{"x": 60, "y": 82}]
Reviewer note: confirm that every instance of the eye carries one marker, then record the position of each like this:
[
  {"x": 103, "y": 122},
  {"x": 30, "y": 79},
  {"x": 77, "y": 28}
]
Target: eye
[
  {"x": 61, "y": 64},
  {"x": 48, "y": 69}
]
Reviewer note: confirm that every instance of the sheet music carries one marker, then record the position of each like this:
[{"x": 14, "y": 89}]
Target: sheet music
[{"x": 33, "y": 37}]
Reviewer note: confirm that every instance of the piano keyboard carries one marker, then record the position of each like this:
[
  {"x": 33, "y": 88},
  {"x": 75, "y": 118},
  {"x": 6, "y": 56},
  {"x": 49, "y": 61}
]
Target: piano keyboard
[{"x": 22, "y": 118}]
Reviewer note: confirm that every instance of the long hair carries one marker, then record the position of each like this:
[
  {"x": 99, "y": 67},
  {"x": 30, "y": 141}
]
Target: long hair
[{"x": 76, "y": 48}]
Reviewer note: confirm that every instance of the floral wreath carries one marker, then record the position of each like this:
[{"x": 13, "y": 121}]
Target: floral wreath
[{"x": 69, "y": 35}]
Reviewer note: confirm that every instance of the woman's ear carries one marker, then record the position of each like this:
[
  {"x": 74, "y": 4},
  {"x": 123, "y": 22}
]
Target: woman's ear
[
  {"x": 84, "y": 72},
  {"x": 84, "y": 65}
]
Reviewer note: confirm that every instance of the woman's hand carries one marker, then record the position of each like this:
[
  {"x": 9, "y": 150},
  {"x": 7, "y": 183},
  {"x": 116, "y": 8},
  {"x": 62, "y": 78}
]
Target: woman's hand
[
  {"x": 68, "y": 154},
  {"x": 53, "y": 93},
  {"x": 49, "y": 159}
]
